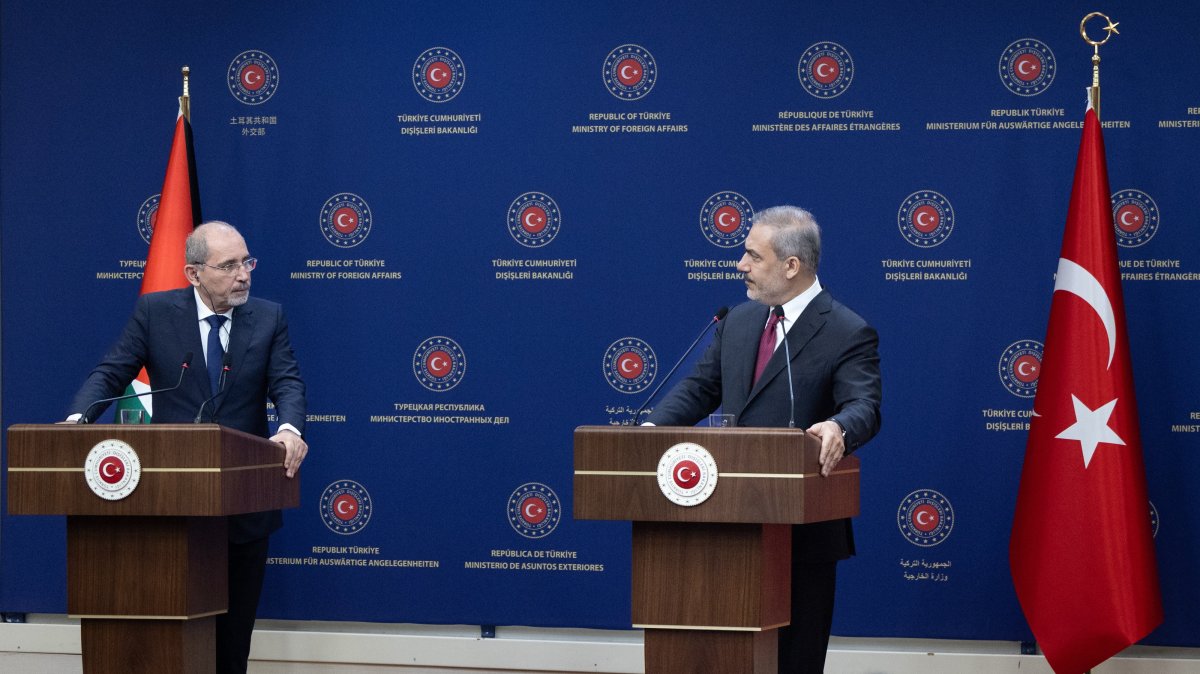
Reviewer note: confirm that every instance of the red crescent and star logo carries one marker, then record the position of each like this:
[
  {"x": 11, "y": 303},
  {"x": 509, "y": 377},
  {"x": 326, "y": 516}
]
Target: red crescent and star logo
[
  {"x": 1027, "y": 67},
  {"x": 826, "y": 70},
  {"x": 345, "y": 507},
  {"x": 253, "y": 77},
  {"x": 439, "y": 364},
  {"x": 1135, "y": 217},
  {"x": 112, "y": 469},
  {"x": 925, "y": 518},
  {"x": 725, "y": 219},
  {"x": 630, "y": 365},
  {"x": 439, "y": 74},
  {"x": 630, "y": 72},
  {"x": 534, "y": 510},
  {"x": 687, "y": 474},
  {"x": 534, "y": 219},
  {"x": 345, "y": 220}
]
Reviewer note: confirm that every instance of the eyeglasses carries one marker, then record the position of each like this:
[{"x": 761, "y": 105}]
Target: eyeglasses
[{"x": 248, "y": 264}]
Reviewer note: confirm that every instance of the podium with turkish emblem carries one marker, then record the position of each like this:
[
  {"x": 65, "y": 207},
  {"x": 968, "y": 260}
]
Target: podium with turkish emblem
[
  {"x": 712, "y": 510},
  {"x": 146, "y": 509}
]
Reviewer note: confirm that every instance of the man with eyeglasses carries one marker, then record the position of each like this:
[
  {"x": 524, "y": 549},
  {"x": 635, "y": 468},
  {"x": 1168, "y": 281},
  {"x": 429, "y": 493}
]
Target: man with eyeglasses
[{"x": 218, "y": 318}]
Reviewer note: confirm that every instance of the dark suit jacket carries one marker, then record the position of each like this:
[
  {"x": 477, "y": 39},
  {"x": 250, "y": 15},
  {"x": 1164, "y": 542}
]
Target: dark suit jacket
[
  {"x": 162, "y": 330},
  {"x": 835, "y": 373}
]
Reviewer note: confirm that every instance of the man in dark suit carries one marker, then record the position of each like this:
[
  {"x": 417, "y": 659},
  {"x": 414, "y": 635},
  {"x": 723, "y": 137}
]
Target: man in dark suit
[
  {"x": 835, "y": 375},
  {"x": 215, "y": 316}
]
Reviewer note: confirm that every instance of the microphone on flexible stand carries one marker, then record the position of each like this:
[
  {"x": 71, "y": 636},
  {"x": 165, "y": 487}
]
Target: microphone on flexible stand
[
  {"x": 717, "y": 318},
  {"x": 187, "y": 361},
  {"x": 220, "y": 387},
  {"x": 787, "y": 352}
]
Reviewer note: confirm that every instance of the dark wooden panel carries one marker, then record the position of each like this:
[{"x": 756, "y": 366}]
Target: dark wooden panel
[
  {"x": 66, "y": 446},
  {"x": 146, "y": 566},
  {"x": 783, "y": 482},
  {"x": 711, "y": 575},
  {"x": 694, "y": 652},
  {"x": 200, "y": 469},
  {"x": 125, "y": 646}
]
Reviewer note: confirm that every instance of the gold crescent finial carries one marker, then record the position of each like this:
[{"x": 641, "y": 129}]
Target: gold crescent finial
[{"x": 1110, "y": 29}]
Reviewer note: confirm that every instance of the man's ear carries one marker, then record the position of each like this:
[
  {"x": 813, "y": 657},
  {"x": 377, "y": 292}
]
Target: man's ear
[{"x": 794, "y": 267}]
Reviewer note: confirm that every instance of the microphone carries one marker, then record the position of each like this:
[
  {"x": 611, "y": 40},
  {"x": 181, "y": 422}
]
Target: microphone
[
  {"x": 787, "y": 352},
  {"x": 183, "y": 368},
  {"x": 220, "y": 387},
  {"x": 717, "y": 318}
]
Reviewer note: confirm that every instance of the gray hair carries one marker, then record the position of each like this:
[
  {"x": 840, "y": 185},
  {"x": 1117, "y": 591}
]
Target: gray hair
[
  {"x": 195, "y": 249},
  {"x": 796, "y": 233}
]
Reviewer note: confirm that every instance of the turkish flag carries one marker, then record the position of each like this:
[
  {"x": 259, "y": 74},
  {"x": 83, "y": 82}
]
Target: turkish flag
[{"x": 1081, "y": 551}]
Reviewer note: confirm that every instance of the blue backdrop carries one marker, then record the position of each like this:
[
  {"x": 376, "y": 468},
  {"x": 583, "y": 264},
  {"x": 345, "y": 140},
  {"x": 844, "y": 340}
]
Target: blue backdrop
[{"x": 472, "y": 213}]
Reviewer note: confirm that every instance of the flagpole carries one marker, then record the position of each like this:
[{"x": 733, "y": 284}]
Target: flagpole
[
  {"x": 1110, "y": 29},
  {"x": 1094, "y": 90},
  {"x": 185, "y": 100}
]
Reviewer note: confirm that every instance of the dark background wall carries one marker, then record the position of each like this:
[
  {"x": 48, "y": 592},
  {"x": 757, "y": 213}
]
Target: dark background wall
[{"x": 88, "y": 101}]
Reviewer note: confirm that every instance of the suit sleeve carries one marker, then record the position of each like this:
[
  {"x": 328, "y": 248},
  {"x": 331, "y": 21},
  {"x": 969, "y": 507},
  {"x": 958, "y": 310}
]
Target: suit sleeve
[
  {"x": 697, "y": 396},
  {"x": 285, "y": 388},
  {"x": 857, "y": 387},
  {"x": 120, "y": 365}
]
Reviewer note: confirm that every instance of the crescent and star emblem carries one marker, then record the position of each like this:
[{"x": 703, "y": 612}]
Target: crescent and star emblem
[
  {"x": 687, "y": 474},
  {"x": 628, "y": 361},
  {"x": 528, "y": 222},
  {"x": 112, "y": 470},
  {"x": 1078, "y": 281},
  {"x": 532, "y": 510},
  {"x": 1125, "y": 221},
  {"x": 435, "y": 363},
  {"x": 344, "y": 511},
  {"x": 823, "y": 70},
  {"x": 625, "y": 74},
  {"x": 921, "y": 219},
  {"x": 343, "y": 223},
  {"x": 723, "y": 222},
  {"x": 250, "y": 77},
  {"x": 1021, "y": 67},
  {"x": 435, "y": 71},
  {"x": 922, "y": 518},
  {"x": 1021, "y": 369}
]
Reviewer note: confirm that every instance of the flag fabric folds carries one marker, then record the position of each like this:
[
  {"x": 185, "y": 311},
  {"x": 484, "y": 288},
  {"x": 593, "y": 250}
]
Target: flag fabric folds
[
  {"x": 178, "y": 214},
  {"x": 1081, "y": 549}
]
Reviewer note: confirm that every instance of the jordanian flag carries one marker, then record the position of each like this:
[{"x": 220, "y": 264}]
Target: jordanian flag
[{"x": 177, "y": 215}]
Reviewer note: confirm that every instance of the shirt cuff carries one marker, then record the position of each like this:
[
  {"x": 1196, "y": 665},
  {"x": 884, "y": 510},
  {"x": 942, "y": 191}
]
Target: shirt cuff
[{"x": 289, "y": 427}]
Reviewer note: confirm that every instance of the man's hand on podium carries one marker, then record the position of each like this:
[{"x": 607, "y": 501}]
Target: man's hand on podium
[
  {"x": 833, "y": 445},
  {"x": 295, "y": 447}
]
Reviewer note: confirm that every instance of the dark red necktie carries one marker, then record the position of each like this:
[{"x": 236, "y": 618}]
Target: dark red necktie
[{"x": 766, "y": 347}]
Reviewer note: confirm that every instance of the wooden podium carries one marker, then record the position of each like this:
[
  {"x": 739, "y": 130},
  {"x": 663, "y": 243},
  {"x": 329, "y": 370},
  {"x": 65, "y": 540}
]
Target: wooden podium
[
  {"x": 711, "y": 582},
  {"x": 146, "y": 574}
]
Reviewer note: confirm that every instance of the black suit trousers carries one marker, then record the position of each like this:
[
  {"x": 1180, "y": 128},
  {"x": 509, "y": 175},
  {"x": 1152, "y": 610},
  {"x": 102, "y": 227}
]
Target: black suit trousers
[
  {"x": 802, "y": 644},
  {"x": 247, "y": 567}
]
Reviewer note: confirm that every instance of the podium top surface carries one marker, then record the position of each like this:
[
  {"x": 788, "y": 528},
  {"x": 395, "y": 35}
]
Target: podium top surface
[{"x": 59, "y": 445}]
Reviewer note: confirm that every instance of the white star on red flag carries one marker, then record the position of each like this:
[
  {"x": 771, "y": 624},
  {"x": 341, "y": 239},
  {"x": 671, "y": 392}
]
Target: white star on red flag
[{"x": 1091, "y": 428}]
